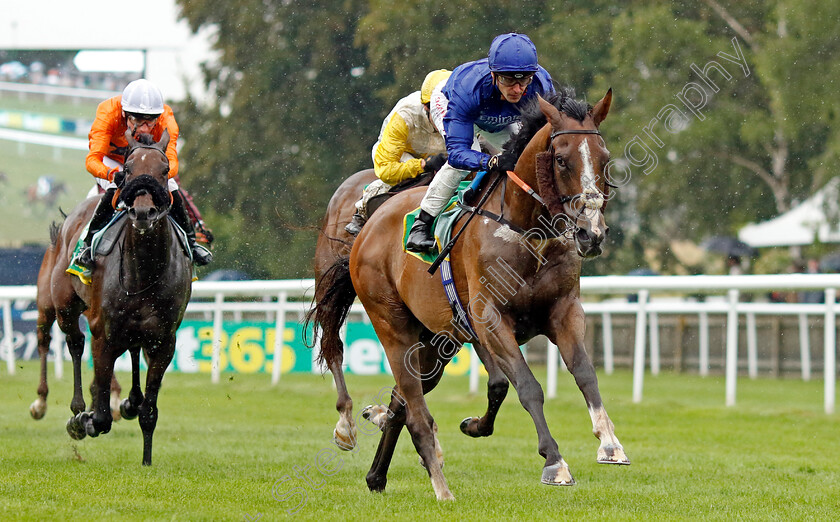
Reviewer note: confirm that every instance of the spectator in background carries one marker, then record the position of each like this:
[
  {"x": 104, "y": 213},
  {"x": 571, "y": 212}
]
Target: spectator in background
[
  {"x": 733, "y": 264},
  {"x": 812, "y": 296}
]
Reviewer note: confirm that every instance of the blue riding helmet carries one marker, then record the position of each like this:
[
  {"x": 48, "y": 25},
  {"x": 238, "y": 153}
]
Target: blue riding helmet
[{"x": 512, "y": 52}]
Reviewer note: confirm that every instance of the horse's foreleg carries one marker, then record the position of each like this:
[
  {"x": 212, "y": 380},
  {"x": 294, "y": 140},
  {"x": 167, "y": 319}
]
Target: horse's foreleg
[
  {"x": 158, "y": 362},
  {"x": 46, "y": 318},
  {"x": 567, "y": 333},
  {"x": 497, "y": 388},
  {"x": 344, "y": 434},
  {"x": 504, "y": 346},
  {"x": 103, "y": 368},
  {"x": 129, "y": 406}
]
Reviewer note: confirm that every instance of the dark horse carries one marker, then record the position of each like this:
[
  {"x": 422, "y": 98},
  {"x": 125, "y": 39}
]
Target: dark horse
[
  {"x": 135, "y": 301},
  {"x": 518, "y": 267},
  {"x": 334, "y": 243}
]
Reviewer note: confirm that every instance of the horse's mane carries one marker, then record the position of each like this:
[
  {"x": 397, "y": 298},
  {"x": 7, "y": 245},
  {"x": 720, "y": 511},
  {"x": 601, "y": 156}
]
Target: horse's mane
[
  {"x": 533, "y": 119},
  {"x": 145, "y": 139}
]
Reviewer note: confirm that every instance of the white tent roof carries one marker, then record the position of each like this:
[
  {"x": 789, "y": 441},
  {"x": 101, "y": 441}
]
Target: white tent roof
[{"x": 801, "y": 225}]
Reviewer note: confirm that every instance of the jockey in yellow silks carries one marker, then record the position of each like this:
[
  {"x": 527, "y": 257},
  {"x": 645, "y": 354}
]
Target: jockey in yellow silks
[{"x": 409, "y": 144}]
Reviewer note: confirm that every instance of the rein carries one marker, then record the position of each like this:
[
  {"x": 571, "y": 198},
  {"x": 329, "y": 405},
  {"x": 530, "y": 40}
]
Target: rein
[{"x": 122, "y": 275}]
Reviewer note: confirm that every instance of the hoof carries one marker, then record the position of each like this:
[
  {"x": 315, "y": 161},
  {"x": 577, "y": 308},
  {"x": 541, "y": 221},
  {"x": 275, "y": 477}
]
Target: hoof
[
  {"x": 558, "y": 475},
  {"x": 38, "y": 409},
  {"x": 469, "y": 427},
  {"x": 75, "y": 429},
  {"x": 86, "y": 420},
  {"x": 612, "y": 454},
  {"x": 343, "y": 443},
  {"x": 344, "y": 434},
  {"x": 125, "y": 411}
]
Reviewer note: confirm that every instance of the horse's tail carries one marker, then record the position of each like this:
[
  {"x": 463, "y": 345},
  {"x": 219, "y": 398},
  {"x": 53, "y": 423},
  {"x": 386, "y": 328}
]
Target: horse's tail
[
  {"x": 334, "y": 295},
  {"x": 54, "y": 231}
]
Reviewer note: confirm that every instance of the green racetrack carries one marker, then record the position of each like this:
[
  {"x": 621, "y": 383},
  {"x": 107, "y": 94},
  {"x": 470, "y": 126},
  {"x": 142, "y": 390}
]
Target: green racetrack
[{"x": 220, "y": 449}]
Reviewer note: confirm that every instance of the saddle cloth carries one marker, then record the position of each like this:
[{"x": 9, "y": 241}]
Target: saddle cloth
[
  {"x": 103, "y": 243},
  {"x": 442, "y": 226}
]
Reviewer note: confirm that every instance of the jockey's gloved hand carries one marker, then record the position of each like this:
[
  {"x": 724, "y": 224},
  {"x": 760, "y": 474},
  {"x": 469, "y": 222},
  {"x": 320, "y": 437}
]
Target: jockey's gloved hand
[
  {"x": 435, "y": 162},
  {"x": 501, "y": 163},
  {"x": 119, "y": 178}
]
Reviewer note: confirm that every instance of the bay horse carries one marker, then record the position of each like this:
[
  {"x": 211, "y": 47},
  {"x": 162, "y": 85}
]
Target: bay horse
[
  {"x": 335, "y": 243},
  {"x": 518, "y": 267},
  {"x": 136, "y": 299}
]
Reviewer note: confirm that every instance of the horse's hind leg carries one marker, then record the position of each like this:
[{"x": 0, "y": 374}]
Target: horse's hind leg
[
  {"x": 567, "y": 334},
  {"x": 344, "y": 434},
  {"x": 116, "y": 390},
  {"x": 46, "y": 318},
  {"x": 391, "y": 427},
  {"x": 497, "y": 388}
]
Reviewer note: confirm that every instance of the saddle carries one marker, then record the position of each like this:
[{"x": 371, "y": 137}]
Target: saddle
[
  {"x": 419, "y": 181},
  {"x": 103, "y": 242}
]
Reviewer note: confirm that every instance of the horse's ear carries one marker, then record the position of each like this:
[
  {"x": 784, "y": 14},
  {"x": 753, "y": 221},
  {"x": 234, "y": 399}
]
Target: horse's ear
[
  {"x": 164, "y": 141},
  {"x": 599, "y": 112},
  {"x": 130, "y": 139},
  {"x": 551, "y": 113}
]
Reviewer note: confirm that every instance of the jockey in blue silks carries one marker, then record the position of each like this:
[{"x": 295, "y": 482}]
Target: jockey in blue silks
[{"x": 480, "y": 98}]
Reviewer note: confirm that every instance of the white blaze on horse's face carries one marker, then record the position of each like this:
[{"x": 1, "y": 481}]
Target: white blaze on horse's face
[{"x": 593, "y": 199}]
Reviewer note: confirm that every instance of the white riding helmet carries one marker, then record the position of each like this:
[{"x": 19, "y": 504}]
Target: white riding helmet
[{"x": 142, "y": 97}]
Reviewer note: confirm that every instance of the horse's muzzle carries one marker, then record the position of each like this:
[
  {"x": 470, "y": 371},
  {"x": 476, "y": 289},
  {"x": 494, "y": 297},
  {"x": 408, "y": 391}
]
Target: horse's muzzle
[
  {"x": 588, "y": 244},
  {"x": 144, "y": 216}
]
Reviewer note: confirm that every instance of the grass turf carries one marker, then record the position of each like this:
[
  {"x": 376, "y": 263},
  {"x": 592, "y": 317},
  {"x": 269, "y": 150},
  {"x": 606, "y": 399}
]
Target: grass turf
[{"x": 222, "y": 452}]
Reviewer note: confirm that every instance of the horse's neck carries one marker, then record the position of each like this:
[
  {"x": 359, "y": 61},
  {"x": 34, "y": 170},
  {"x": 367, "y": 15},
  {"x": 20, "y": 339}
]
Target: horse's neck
[
  {"x": 146, "y": 254},
  {"x": 520, "y": 208}
]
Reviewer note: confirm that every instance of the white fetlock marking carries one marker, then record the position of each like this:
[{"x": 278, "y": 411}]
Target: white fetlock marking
[
  {"x": 115, "y": 406},
  {"x": 377, "y": 414}
]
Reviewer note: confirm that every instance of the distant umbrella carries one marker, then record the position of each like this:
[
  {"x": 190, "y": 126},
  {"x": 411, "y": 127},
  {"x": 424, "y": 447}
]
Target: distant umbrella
[
  {"x": 643, "y": 272},
  {"x": 227, "y": 275},
  {"x": 729, "y": 246},
  {"x": 830, "y": 263}
]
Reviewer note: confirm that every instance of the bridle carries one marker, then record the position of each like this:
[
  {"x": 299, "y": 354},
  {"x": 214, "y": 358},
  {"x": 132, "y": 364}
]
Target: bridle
[
  {"x": 151, "y": 147},
  {"x": 562, "y": 199}
]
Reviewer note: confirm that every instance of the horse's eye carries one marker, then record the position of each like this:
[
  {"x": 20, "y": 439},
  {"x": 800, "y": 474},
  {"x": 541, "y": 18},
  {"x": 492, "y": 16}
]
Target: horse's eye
[{"x": 560, "y": 162}]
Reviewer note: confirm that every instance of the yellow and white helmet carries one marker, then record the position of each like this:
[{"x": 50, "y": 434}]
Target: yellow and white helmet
[{"x": 431, "y": 81}]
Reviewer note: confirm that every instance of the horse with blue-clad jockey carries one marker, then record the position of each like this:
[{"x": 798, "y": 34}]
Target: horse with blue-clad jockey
[{"x": 517, "y": 267}]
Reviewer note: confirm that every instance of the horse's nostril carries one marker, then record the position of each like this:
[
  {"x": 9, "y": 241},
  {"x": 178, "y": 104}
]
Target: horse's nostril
[
  {"x": 132, "y": 213},
  {"x": 606, "y": 231},
  {"x": 153, "y": 213}
]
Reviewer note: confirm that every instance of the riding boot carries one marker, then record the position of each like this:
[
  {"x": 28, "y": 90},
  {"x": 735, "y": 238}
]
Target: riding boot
[
  {"x": 103, "y": 213},
  {"x": 201, "y": 256},
  {"x": 355, "y": 225},
  {"x": 420, "y": 238}
]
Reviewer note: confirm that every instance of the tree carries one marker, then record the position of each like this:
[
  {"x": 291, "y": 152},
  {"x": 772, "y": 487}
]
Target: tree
[{"x": 295, "y": 115}]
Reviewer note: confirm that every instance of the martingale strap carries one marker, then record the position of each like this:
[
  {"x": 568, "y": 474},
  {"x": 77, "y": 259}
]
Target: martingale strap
[{"x": 458, "y": 311}]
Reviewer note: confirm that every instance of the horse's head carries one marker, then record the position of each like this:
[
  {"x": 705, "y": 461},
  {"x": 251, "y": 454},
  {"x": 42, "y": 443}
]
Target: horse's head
[
  {"x": 146, "y": 170},
  {"x": 571, "y": 174}
]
